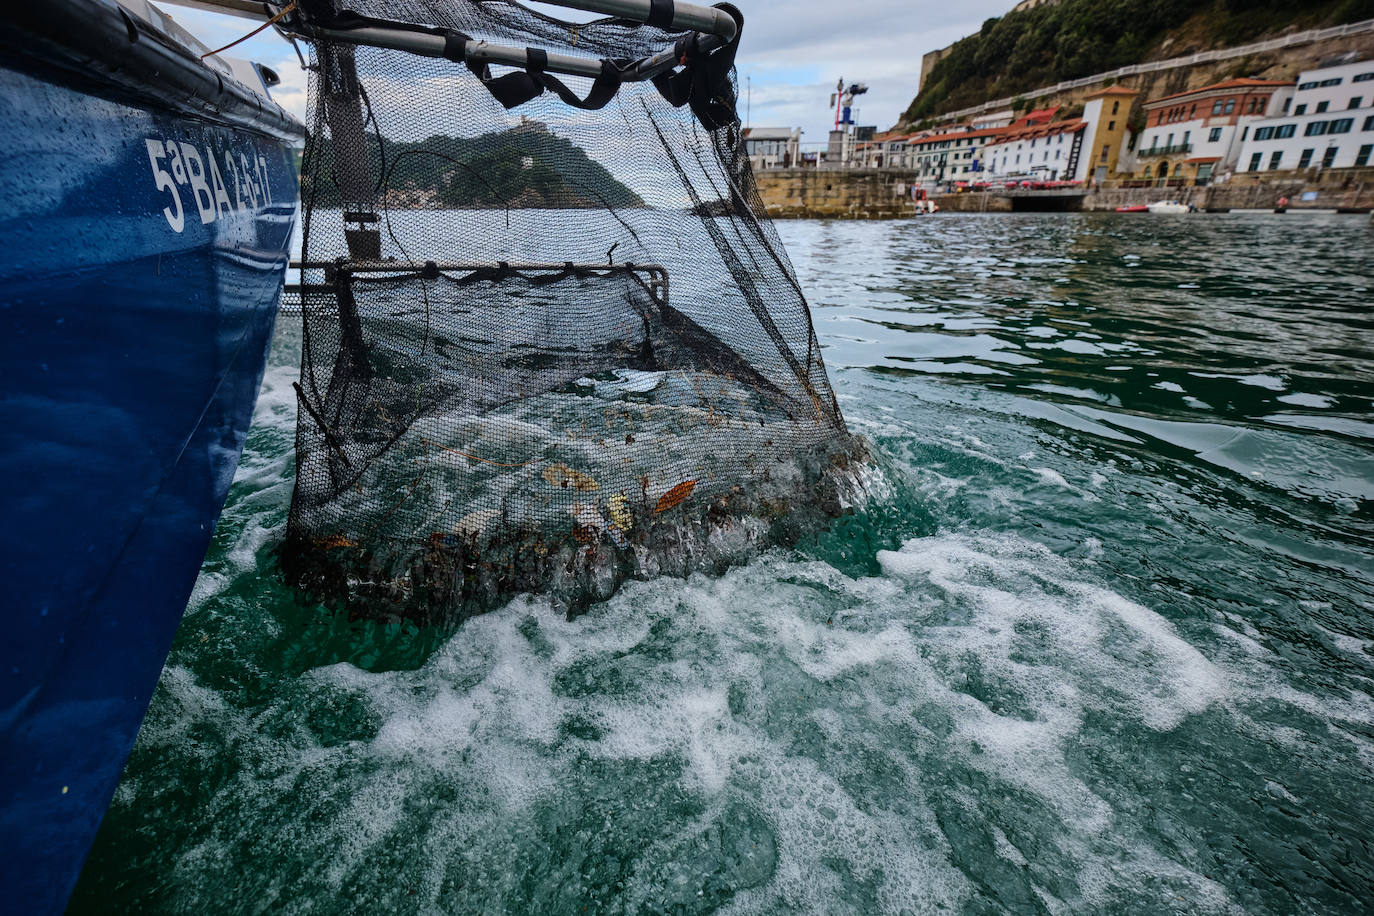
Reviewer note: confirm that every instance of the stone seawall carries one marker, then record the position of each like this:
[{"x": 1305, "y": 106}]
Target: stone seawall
[
  {"x": 1342, "y": 189},
  {"x": 837, "y": 194},
  {"x": 975, "y": 202},
  {"x": 886, "y": 194},
  {"x": 1339, "y": 189}
]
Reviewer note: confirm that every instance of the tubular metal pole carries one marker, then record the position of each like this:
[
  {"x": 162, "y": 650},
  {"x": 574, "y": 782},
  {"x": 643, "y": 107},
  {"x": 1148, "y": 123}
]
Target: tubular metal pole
[
  {"x": 482, "y": 52},
  {"x": 717, "y": 26},
  {"x": 686, "y": 16}
]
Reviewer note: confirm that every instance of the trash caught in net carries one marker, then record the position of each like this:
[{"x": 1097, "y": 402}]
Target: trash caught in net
[{"x": 545, "y": 349}]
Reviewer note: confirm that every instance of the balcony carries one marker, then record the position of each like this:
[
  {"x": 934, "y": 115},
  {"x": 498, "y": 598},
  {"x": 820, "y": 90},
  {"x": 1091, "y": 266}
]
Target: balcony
[{"x": 1166, "y": 150}]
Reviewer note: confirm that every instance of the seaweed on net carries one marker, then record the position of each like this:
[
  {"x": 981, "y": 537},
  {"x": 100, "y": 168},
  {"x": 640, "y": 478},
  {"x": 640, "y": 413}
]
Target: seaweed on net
[{"x": 546, "y": 349}]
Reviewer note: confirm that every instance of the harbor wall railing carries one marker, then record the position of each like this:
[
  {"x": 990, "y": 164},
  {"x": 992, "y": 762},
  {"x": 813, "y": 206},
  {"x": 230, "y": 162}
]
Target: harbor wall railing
[{"x": 1310, "y": 36}]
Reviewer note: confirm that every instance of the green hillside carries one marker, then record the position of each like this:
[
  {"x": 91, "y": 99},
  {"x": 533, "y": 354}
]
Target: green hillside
[
  {"x": 524, "y": 167},
  {"x": 1074, "y": 38}
]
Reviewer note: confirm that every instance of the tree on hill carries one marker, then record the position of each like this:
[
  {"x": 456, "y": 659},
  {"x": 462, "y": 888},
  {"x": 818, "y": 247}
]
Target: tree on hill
[
  {"x": 1075, "y": 38},
  {"x": 524, "y": 167}
]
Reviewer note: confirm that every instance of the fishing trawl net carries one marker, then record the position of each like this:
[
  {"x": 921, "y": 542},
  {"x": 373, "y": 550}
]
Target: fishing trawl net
[{"x": 550, "y": 340}]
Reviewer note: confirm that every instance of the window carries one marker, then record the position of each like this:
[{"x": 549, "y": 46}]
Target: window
[
  {"x": 1283, "y": 131},
  {"x": 1169, "y": 142},
  {"x": 1328, "y": 157},
  {"x": 1192, "y": 112},
  {"x": 1106, "y": 147},
  {"x": 1116, "y": 106},
  {"x": 1255, "y": 162},
  {"x": 1215, "y": 134},
  {"x": 1321, "y": 106},
  {"x": 1315, "y": 129},
  {"x": 1356, "y": 101},
  {"x": 1111, "y": 125},
  {"x": 1261, "y": 133},
  {"x": 1362, "y": 78},
  {"x": 1254, "y": 104},
  {"x": 1303, "y": 87},
  {"x": 1230, "y": 106},
  {"x": 1300, "y": 110},
  {"x": 1186, "y": 135},
  {"x": 1275, "y": 159},
  {"x": 1363, "y": 158},
  {"x": 1368, "y": 123},
  {"x": 1331, "y": 82},
  {"x": 1245, "y": 132},
  {"x": 1216, "y": 106},
  {"x": 1306, "y": 159},
  {"x": 1341, "y": 126},
  {"x": 1286, "y": 102}
]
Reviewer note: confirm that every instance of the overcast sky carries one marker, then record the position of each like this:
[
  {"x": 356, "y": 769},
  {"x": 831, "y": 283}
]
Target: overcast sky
[{"x": 791, "y": 54}]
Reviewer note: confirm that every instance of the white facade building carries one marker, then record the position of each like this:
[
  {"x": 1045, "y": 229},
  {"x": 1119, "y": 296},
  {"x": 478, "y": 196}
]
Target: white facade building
[
  {"x": 773, "y": 147},
  {"x": 1196, "y": 134},
  {"x": 993, "y": 119},
  {"x": 955, "y": 155},
  {"x": 1327, "y": 123},
  {"x": 1045, "y": 152}
]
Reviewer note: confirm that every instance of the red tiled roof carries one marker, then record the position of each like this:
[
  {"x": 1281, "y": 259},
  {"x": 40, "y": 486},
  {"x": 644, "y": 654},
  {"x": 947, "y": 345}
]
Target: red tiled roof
[
  {"x": 1040, "y": 115},
  {"x": 1243, "y": 83},
  {"x": 959, "y": 135},
  {"x": 1042, "y": 130}
]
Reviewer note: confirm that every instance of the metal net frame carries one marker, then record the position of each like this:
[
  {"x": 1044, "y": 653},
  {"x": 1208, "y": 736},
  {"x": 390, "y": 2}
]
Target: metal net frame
[{"x": 550, "y": 341}]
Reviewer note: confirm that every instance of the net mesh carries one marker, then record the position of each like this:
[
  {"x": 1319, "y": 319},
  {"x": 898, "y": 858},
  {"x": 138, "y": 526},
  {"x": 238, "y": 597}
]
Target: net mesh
[{"x": 545, "y": 349}]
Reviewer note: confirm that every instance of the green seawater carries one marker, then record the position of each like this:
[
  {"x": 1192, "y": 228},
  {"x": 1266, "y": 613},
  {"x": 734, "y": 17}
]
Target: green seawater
[{"x": 1100, "y": 641}]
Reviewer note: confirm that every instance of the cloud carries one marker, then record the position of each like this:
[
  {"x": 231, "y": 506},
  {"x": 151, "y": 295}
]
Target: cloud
[
  {"x": 291, "y": 93},
  {"x": 793, "y": 51},
  {"x": 806, "y": 45}
]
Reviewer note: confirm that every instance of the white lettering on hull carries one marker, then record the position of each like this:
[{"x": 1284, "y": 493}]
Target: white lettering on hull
[{"x": 180, "y": 166}]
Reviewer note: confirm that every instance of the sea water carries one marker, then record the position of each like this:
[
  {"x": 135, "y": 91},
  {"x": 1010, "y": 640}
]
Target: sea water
[{"x": 1101, "y": 639}]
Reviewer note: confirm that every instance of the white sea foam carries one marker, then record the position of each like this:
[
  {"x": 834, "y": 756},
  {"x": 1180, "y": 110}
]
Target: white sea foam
[{"x": 824, "y": 705}]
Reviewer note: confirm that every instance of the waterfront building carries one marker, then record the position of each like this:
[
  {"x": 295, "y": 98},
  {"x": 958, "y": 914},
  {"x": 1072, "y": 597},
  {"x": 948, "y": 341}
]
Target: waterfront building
[
  {"x": 992, "y": 119},
  {"x": 886, "y": 150},
  {"x": 949, "y": 155},
  {"x": 773, "y": 147},
  {"x": 1107, "y": 133},
  {"x": 1327, "y": 123},
  {"x": 1194, "y": 135},
  {"x": 1042, "y": 152}
]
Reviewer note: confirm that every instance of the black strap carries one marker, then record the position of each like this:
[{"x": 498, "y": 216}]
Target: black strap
[
  {"x": 514, "y": 88},
  {"x": 604, "y": 88},
  {"x": 704, "y": 80},
  {"x": 661, "y": 14},
  {"x": 455, "y": 46},
  {"x": 519, "y": 87}
]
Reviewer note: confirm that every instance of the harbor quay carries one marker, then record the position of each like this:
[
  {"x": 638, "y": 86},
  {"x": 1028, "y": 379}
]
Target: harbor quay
[
  {"x": 801, "y": 193},
  {"x": 1239, "y": 142}
]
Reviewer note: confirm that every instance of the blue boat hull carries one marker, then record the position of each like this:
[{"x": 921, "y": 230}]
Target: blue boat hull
[{"x": 142, "y": 255}]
